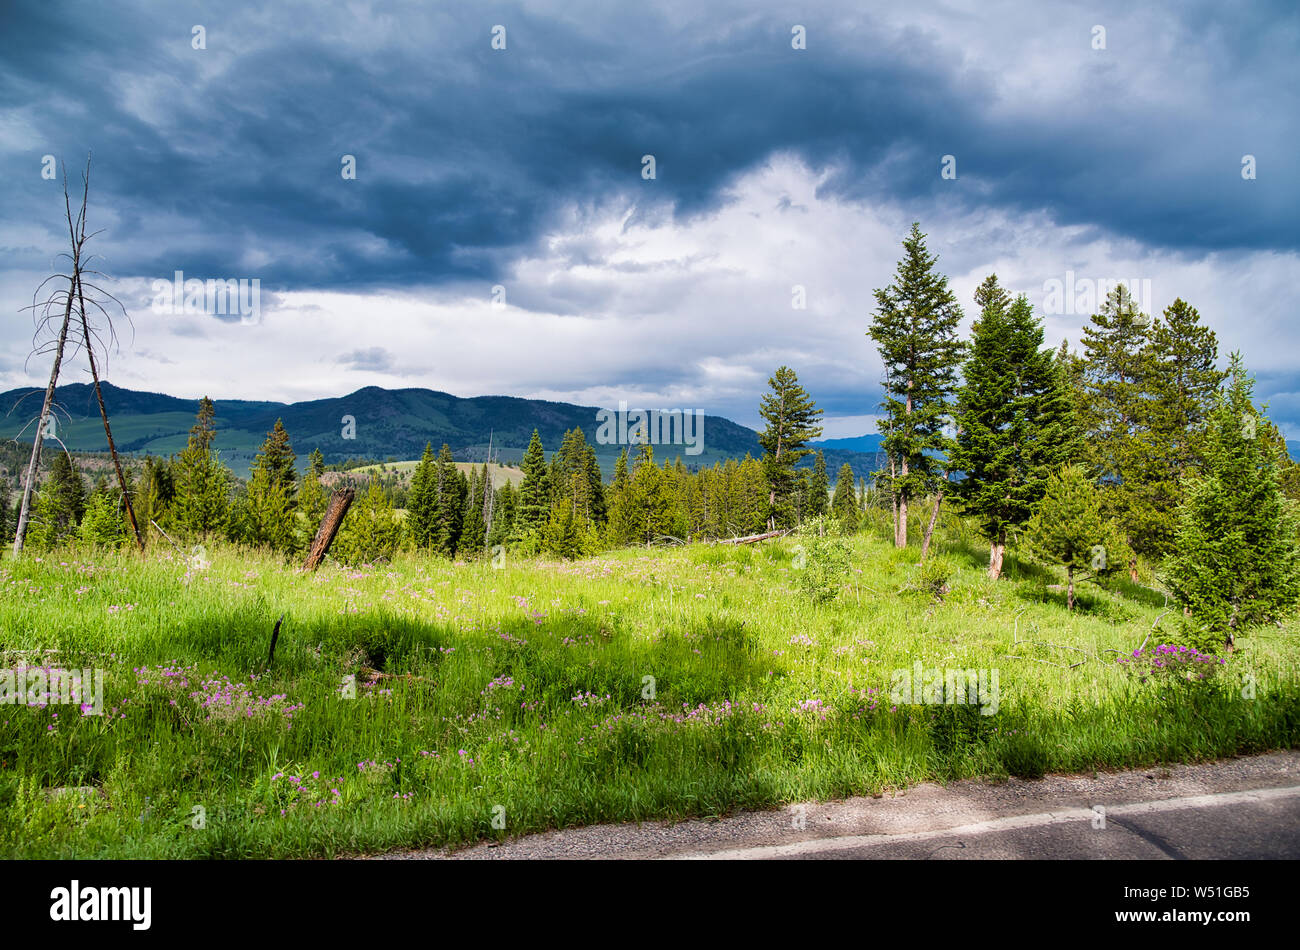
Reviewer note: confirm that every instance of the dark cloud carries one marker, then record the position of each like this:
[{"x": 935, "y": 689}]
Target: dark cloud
[{"x": 465, "y": 154}]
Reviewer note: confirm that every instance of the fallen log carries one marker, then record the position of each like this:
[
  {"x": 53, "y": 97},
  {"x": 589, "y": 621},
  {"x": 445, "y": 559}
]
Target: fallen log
[
  {"x": 751, "y": 538},
  {"x": 340, "y": 501}
]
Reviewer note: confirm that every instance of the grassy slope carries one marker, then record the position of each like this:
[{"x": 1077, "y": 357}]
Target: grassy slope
[
  {"x": 734, "y": 648},
  {"x": 500, "y": 473}
]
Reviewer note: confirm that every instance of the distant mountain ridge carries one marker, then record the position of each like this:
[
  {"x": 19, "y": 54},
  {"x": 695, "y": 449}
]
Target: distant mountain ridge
[{"x": 386, "y": 423}]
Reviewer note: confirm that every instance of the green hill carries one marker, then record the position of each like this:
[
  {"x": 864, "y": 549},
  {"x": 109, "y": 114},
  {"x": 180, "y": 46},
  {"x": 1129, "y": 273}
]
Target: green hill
[{"x": 388, "y": 424}]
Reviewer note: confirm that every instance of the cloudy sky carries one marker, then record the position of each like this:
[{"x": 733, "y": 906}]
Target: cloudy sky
[{"x": 501, "y": 233}]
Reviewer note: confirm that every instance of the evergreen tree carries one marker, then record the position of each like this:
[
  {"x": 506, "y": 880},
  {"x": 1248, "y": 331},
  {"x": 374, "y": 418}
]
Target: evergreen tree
[
  {"x": 622, "y": 516},
  {"x": 473, "y": 534},
  {"x": 313, "y": 501},
  {"x": 503, "y": 514},
  {"x": 422, "y": 502},
  {"x": 791, "y": 417},
  {"x": 651, "y": 508},
  {"x": 102, "y": 523},
  {"x": 1115, "y": 411},
  {"x": 532, "y": 506},
  {"x": 452, "y": 491},
  {"x": 819, "y": 488},
  {"x": 844, "y": 505},
  {"x": 202, "y": 504},
  {"x": 156, "y": 494},
  {"x": 277, "y": 457},
  {"x": 1068, "y": 528},
  {"x": 595, "y": 489},
  {"x": 60, "y": 504},
  {"x": 371, "y": 531},
  {"x": 571, "y": 479},
  {"x": 265, "y": 516},
  {"x": 1180, "y": 388},
  {"x": 915, "y": 328},
  {"x": 1236, "y": 563},
  {"x": 755, "y": 495},
  {"x": 1014, "y": 419}
]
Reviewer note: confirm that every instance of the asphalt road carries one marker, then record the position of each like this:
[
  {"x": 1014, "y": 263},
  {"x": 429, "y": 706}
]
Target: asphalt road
[{"x": 1238, "y": 808}]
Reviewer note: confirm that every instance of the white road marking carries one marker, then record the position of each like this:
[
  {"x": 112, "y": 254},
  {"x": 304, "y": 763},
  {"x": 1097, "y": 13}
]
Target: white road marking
[{"x": 1011, "y": 823}]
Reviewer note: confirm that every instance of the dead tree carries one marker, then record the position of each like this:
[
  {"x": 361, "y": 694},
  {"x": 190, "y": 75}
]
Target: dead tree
[
  {"x": 340, "y": 501},
  {"x": 74, "y": 296},
  {"x": 47, "y": 308},
  {"x": 79, "y": 240}
]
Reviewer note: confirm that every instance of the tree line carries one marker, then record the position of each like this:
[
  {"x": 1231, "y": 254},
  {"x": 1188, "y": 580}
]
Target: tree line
[{"x": 1138, "y": 447}]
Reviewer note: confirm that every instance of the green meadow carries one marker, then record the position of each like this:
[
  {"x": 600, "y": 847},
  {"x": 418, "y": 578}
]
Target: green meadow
[{"x": 424, "y": 703}]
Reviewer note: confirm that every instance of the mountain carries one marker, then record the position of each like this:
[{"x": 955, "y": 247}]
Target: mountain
[
  {"x": 858, "y": 443},
  {"x": 385, "y": 423}
]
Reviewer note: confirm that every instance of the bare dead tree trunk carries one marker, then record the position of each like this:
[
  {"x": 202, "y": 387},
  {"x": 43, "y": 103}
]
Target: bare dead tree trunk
[
  {"x": 25, "y": 510},
  {"x": 929, "y": 529},
  {"x": 340, "y": 501}
]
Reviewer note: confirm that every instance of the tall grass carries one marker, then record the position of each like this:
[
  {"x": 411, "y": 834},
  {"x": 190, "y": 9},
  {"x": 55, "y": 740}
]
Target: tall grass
[{"x": 523, "y": 696}]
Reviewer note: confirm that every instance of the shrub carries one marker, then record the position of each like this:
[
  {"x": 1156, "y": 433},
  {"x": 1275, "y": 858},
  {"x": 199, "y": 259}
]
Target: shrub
[
  {"x": 933, "y": 575},
  {"x": 822, "y": 559}
]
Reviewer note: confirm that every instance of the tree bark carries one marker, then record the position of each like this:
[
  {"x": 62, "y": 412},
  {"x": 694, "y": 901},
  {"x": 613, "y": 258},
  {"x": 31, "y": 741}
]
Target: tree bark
[
  {"x": 1069, "y": 592},
  {"x": 997, "y": 550},
  {"x": 340, "y": 501}
]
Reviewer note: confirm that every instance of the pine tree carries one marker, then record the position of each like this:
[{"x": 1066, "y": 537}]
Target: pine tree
[
  {"x": 265, "y": 516},
  {"x": 1180, "y": 388},
  {"x": 503, "y": 514},
  {"x": 156, "y": 493},
  {"x": 844, "y": 505},
  {"x": 452, "y": 490},
  {"x": 102, "y": 524},
  {"x": 1014, "y": 419},
  {"x": 422, "y": 502},
  {"x": 313, "y": 501},
  {"x": 278, "y": 458},
  {"x": 748, "y": 497},
  {"x": 1236, "y": 562},
  {"x": 473, "y": 534},
  {"x": 202, "y": 504},
  {"x": 791, "y": 417},
  {"x": 622, "y": 517},
  {"x": 1068, "y": 528},
  {"x": 371, "y": 531},
  {"x": 1115, "y": 414},
  {"x": 915, "y": 328},
  {"x": 532, "y": 506},
  {"x": 595, "y": 488},
  {"x": 60, "y": 505},
  {"x": 651, "y": 508}
]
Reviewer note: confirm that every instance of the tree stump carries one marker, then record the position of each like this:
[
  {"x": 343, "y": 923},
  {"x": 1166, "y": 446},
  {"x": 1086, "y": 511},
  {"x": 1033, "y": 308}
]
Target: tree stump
[{"x": 340, "y": 501}]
